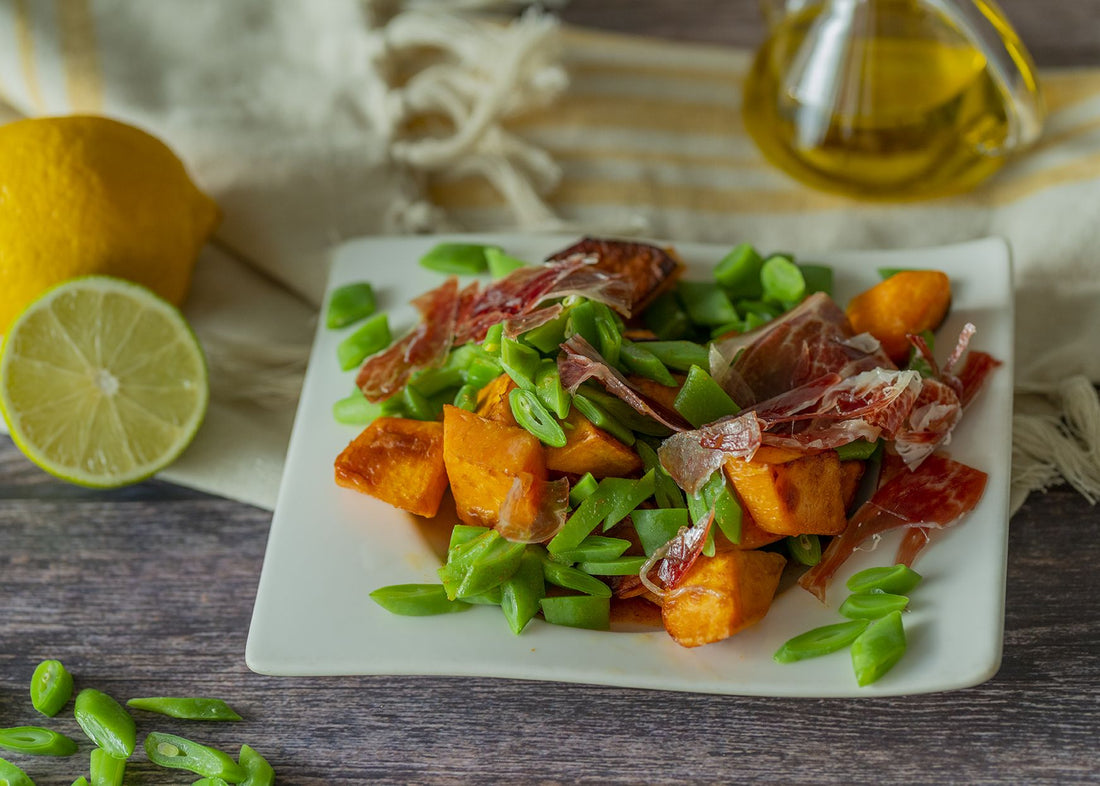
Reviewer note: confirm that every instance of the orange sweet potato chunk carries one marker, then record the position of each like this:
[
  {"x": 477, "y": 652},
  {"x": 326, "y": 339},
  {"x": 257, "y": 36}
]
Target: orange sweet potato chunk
[
  {"x": 907, "y": 302},
  {"x": 722, "y": 595},
  {"x": 398, "y": 461},
  {"x": 483, "y": 460},
  {"x": 492, "y": 401},
  {"x": 797, "y": 497},
  {"x": 591, "y": 449},
  {"x": 752, "y": 536}
]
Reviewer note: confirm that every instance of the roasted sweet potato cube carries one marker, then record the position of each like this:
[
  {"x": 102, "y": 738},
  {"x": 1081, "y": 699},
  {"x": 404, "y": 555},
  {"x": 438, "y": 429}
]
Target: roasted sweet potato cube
[
  {"x": 752, "y": 537},
  {"x": 492, "y": 401},
  {"x": 796, "y": 497},
  {"x": 648, "y": 269},
  {"x": 907, "y": 302},
  {"x": 399, "y": 461},
  {"x": 591, "y": 449},
  {"x": 483, "y": 459},
  {"x": 721, "y": 595}
]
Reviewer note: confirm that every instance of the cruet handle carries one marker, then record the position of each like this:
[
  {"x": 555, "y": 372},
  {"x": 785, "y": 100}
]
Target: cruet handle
[{"x": 1009, "y": 65}]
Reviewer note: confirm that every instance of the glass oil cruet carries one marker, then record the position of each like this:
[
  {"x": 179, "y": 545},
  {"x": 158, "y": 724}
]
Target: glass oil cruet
[{"x": 891, "y": 99}]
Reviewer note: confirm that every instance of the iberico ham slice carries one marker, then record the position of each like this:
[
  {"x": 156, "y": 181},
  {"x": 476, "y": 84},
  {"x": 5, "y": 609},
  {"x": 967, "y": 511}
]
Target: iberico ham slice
[{"x": 935, "y": 495}]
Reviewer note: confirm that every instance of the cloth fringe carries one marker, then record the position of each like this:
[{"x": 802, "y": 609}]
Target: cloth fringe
[
  {"x": 452, "y": 81},
  {"x": 1058, "y": 442}
]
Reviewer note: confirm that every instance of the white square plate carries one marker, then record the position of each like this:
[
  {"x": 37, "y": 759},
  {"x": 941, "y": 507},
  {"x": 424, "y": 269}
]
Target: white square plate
[{"x": 329, "y": 547}]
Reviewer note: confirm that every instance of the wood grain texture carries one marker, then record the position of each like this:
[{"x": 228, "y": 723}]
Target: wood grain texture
[{"x": 149, "y": 590}]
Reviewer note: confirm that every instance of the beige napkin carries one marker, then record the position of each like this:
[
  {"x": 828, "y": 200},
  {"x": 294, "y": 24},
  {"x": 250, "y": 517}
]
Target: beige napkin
[{"x": 311, "y": 123}]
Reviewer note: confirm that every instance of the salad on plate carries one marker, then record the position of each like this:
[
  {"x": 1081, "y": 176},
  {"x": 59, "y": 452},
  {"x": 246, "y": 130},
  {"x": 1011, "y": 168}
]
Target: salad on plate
[{"x": 625, "y": 446}]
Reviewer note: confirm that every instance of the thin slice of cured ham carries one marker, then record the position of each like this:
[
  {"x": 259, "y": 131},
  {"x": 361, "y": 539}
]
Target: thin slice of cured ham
[
  {"x": 580, "y": 361},
  {"x": 427, "y": 344},
  {"x": 449, "y": 317},
  {"x": 682, "y": 551},
  {"x": 935, "y": 495},
  {"x": 810, "y": 340},
  {"x": 825, "y": 413},
  {"x": 648, "y": 269},
  {"x": 549, "y": 515}
]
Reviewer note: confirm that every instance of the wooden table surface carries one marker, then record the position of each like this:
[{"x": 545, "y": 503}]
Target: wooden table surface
[{"x": 149, "y": 590}]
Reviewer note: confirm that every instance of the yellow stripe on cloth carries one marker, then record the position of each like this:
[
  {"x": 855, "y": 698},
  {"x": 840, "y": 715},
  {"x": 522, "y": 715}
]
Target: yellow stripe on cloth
[
  {"x": 1062, "y": 90},
  {"x": 83, "y": 81},
  {"x": 24, "y": 34}
]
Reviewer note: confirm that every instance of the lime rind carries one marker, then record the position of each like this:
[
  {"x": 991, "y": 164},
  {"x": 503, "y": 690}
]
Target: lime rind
[{"x": 112, "y": 401}]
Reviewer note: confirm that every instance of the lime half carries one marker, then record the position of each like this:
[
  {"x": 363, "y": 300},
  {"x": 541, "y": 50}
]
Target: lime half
[{"x": 102, "y": 383}]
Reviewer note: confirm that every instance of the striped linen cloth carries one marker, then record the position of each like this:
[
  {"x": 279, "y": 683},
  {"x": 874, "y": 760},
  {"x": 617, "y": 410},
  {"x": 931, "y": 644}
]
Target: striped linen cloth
[{"x": 647, "y": 139}]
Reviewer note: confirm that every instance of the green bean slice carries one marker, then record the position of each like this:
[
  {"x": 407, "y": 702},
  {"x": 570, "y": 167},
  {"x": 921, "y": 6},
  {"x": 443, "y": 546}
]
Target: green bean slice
[
  {"x": 702, "y": 400},
  {"x": 601, "y": 418},
  {"x": 667, "y": 319},
  {"x": 878, "y": 649},
  {"x": 522, "y": 591},
  {"x": 349, "y": 304},
  {"x": 585, "y": 518},
  {"x": 416, "y": 600},
  {"x": 463, "y": 259},
  {"x": 466, "y": 398},
  {"x": 818, "y": 278},
  {"x": 626, "y": 494},
  {"x": 356, "y": 410},
  {"x": 578, "y": 611},
  {"x": 210, "y": 782},
  {"x": 372, "y": 336},
  {"x": 716, "y": 495},
  {"x": 639, "y": 360},
  {"x": 187, "y": 708},
  {"x": 705, "y": 303},
  {"x": 81, "y": 781},
  {"x": 36, "y": 741},
  {"x": 493, "y": 336},
  {"x": 594, "y": 548},
  {"x": 871, "y": 605},
  {"x": 860, "y": 450},
  {"x": 532, "y": 416},
  {"x": 501, "y": 264},
  {"x": 547, "y": 338},
  {"x": 180, "y": 753},
  {"x": 583, "y": 489},
  {"x": 805, "y": 549},
  {"x": 105, "y": 722},
  {"x": 895, "y": 579},
  {"x": 657, "y": 526},
  {"x": 476, "y": 567},
  {"x": 679, "y": 355},
  {"x": 782, "y": 279},
  {"x": 820, "y": 641},
  {"x": 10, "y": 775},
  {"x": 666, "y": 493},
  {"x": 549, "y": 389},
  {"x": 106, "y": 770},
  {"x": 520, "y": 362},
  {"x": 738, "y": 272},
  {"x": 620, "y": 566},
  {"x": 571, "y": 578},
  {"x": 609, "y": 335},
  {"x": 51, "y": 687},
  {"x": 260, "y": 773}
]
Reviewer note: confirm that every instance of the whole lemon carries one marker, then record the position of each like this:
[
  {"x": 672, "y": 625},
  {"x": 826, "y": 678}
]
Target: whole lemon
[{"x": 82, "y": 195}]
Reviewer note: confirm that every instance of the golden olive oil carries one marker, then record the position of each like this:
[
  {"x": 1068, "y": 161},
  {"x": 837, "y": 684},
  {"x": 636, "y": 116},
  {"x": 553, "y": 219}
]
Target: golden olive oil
[{"x": 903, "y": 107}]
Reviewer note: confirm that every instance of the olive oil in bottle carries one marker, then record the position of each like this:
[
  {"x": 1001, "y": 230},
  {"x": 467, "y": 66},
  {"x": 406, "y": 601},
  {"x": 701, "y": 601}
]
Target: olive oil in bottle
[{"x": 885, "y": 99}]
